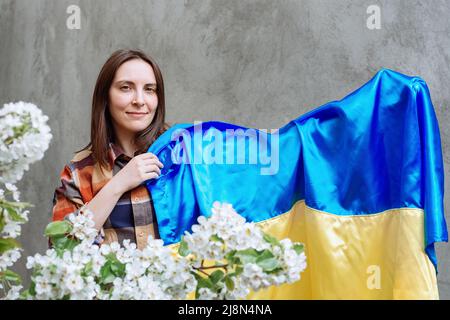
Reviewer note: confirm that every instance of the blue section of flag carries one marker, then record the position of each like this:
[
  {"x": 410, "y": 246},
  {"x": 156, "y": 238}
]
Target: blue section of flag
[{"x": 376, "y": 149}]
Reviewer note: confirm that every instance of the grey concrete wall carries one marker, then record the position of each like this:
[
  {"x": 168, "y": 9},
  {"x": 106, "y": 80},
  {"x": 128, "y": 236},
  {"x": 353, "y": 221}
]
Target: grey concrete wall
[{"x": 254, "y": 63}]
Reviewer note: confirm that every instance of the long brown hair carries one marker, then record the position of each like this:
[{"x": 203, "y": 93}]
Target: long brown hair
[{"x": 102, "y": 132}]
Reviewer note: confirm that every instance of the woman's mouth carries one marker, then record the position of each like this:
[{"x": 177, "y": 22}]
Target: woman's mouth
[{"x": 136, "y": 114}]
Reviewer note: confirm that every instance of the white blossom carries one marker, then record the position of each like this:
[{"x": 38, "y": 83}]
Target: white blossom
[
  {"x": 8, "y": 258},
  {"x": 13, "y": 293},
  {"x": 155, "y": 272},
  {"x": 83, "y": 226},
  {"x": 24, "y": 137},
  {"x": 207, "y": 294},
  {"x": 225, "y": 231}
]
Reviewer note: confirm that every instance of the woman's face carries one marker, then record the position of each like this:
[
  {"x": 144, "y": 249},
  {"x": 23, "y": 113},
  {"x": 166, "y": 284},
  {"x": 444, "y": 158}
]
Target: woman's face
[{"x": 132, "y": 97}]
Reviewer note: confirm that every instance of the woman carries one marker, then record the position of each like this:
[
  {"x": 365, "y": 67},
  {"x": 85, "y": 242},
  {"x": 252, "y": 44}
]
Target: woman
[{"x": 107, "y": 176}]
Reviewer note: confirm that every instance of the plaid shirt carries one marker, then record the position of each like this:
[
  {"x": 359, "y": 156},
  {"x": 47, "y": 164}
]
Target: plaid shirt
[{"x": 133, "y": 216}]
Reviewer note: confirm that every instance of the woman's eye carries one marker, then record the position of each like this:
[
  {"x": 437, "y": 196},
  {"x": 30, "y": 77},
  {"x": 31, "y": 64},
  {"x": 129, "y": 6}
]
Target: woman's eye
[
  {"x": 151, "y": 90},
  {"x": 125, "y": 87}
]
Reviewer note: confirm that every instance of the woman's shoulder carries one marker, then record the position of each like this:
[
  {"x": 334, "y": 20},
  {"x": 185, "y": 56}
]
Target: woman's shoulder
[
  {"x": 82, "y": 154},
  {"x": 81, "y": 164},
  {"x": 82, "y": 157}
]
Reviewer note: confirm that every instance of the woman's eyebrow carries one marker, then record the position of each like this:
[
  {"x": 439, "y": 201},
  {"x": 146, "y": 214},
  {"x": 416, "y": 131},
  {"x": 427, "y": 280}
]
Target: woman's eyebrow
[{"x": 131, "y": 82}]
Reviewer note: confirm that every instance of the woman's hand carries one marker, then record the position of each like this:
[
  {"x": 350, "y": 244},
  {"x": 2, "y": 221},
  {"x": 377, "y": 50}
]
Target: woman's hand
[{"x": 143, "y": 167}]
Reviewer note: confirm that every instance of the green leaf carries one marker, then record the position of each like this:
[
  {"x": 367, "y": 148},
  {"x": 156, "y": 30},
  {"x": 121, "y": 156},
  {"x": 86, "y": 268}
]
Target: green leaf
[
  {"x": 15, "y": 216},
  {"x": 229, "y": 283},
  {"x": 268, "y": 264},
  {"x": 2, "y": 222},
  {"x": 72, "y": 243},
  {"x": 216, "y": 238},
  {"x": 59, "y": 252},
  {"x": 298, "y": 248},
  {"x": 216, "y": 276},
  {"x": 8, "y": 244},
  {"x": 114, "y": 267},
  {"x": 32, "y": 289},
  {"x": 118, "y": 269},
  {"x": 183, "y": 250},
  {"x": 272, "y": 240},
  {"x": 196, "y": 276},
  {"x": 58, "y": 228},
  {"x": 265, "y": 254},
  {"x": 267, "y": 261},
  {"x": 239, "y": 270},
  {"x": 11, "y": 276},
  {"x": 111, "y": 257},
  {"x": 109, "y": 279},
  {"x": 105, "y": 269},
  {"x": 24, "y": 295},
  {"x": 247, "y": 256},
  {"x": 230, "y": 257},
  {"x": 278, "y": 269},
  {"x": 62, "y": 243},
  {"x": 13, "y": 204},
  {"x": 106, "y": 273},
  {"x": 203, "y": 282},
  {"x": 87, "y": 269}
]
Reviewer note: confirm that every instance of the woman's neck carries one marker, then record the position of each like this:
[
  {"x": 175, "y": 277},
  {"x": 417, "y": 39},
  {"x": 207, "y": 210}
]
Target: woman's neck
[
  {"x": 128, "y": 149},
  {"x": 125, "y": 142}
]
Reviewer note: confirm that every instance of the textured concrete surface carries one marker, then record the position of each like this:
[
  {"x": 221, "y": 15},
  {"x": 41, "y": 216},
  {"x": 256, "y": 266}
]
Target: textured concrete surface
[{"x": 254, "y": 63}]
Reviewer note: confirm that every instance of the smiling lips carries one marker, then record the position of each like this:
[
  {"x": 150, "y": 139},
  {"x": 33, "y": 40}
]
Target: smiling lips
[{"x": 137, "y": 114}]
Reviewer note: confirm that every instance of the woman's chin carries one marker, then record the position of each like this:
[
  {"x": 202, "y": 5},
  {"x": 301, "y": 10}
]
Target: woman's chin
[{"x": 138, "y": 128}]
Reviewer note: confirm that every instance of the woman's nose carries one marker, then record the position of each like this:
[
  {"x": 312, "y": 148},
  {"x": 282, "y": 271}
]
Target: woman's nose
[{"x": 138, "y": 99}]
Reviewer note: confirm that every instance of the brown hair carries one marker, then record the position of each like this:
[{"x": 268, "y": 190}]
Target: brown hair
[{"x": 102, "y": 132}]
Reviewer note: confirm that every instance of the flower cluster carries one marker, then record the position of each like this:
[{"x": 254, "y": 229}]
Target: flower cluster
[
  {"x": 9, "y": 258},
  {"x": 152, "y": 273},
  {"x": 223, "y": 258},
  {"x": 83, "y": 226},
  {"x": 13, "y": 212},
  {"x": 110, "y": 272},
  {"x": 225, "y": 230},
  {"x": 248, "y": 258},
  {"x": 75, "y": 269},
  {"x": 24, "y": 137},
  {"x": 70, "y": 275},
  {"x": 12, "y": 215}
]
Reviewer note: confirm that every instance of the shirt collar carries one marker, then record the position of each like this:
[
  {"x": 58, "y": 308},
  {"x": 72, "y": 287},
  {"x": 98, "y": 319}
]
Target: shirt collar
[{"x": 115, "y": 151}]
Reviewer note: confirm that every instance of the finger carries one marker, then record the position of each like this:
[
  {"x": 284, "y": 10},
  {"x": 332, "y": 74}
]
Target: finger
[
  {"x": 152, "y": 168},
  {"x": 159, "y": 164},
  {"x": 147, "y": 155},
  {"x": 154, "y": 161},
  {"x": 152, "y": 175}
]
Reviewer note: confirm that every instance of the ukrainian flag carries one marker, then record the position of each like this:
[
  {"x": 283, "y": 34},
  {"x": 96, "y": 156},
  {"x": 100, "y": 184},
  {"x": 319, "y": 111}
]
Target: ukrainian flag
[{"x": 359, "y": 181}]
